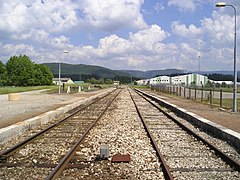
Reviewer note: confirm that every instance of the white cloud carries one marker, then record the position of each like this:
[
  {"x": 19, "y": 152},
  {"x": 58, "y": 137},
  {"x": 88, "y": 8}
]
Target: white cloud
[
  {"x": 184, "y": 5},
  {"x": 42, "y": 31},
  {"x": 191, "y": 5},
  {"x": 220, "y": 28},
  {"x": 38, "y": 35},
  {"x": 14, "y": 15},
  {"x": 56, "y": 15},
  {"x": 136, "y": 61},
  {"x": 61, "y": 42},
  {"x": 18, "y": 49},
  {"x": 187, "y": 32},
  {"x": 141, "y": 48},
  {"x": 114, "y": 45},
  {"x": 112, "y": 15},
  {"x": 22, "y": 17},
  {"x": 146, "y": 39}
]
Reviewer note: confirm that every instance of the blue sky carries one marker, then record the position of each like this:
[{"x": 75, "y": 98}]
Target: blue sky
[{"x": 121, "y": 34}]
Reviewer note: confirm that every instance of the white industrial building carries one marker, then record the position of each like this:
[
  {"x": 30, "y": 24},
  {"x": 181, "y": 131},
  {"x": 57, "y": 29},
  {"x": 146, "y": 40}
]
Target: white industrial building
[
  {"x": 164, "y": 79},
  {"x": 185, "y": 80},
  {"x": 154, "y": 81},
  {"x": 190, "y": 79}
]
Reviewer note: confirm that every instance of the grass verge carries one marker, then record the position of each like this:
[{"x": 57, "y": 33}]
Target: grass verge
[{"x": 7, "y": 90}]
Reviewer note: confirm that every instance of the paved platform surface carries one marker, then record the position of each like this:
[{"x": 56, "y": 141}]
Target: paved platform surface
[
  {"x": 34, "y": 103},
  {"x": 225, "y": 118}
]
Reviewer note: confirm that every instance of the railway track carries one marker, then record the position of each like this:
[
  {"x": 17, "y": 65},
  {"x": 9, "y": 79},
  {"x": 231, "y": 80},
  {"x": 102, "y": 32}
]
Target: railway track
[
  {"x": 184, "y": 153},
  {"x": 70, "y": 149},
  {"x": 48, "y": 152}
]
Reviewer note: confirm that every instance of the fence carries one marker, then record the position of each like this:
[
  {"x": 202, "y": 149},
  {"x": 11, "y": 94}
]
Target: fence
[
  {"x": 77, "y": 89},
  {"x": 210, "y": 96}
]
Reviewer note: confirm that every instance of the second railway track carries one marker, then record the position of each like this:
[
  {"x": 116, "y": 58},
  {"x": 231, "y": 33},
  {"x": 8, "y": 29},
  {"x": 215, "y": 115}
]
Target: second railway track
[{"x": 184, "y": 153}]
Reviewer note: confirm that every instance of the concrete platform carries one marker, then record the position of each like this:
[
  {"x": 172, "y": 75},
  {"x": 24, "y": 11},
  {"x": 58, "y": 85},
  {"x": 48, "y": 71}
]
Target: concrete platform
[
  {"x": 221, "y": 132},
  {"x": 21, "y": 127}
]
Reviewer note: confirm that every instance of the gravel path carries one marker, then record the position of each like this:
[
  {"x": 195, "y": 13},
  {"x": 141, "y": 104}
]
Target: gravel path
[{"x": 34, "y": 103}]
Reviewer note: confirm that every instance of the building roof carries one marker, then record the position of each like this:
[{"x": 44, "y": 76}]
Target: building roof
[{"x": 61, "y": 79}]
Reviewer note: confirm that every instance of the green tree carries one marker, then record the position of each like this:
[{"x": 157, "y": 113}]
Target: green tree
[
  {"x": 100, "y": 81},
  {"x": 3, "y": 74},
  {"x": 108, "y": 81},
  {"x": 43, "y": 75},
  {"x": 224, "y": 84},
  {"x": 92, "y": 80},
  {"x": 208, "y": 84},
  {"x": 2, "y": 68},
  {"x": 20, "y": 71}
]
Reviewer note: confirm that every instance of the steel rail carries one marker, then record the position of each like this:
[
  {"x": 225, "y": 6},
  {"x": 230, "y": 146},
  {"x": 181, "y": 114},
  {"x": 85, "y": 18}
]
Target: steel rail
[
  {"x": 65, "y": 160},
  {"x": 5, "y": 153},
  {"x": 233, "y": 163},
  {"x": 164, "y": 166}
]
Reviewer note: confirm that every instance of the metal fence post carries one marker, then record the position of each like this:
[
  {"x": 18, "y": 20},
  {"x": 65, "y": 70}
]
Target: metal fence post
[
  {"x": 189, "y": 92},
  {"x": 221, "y": 98},
  {"x": 202, "y": 95},
  {"x": 184, "y": 93},
  {"x": 211, "y": 97},
  {"x": 195, "y": 96}
]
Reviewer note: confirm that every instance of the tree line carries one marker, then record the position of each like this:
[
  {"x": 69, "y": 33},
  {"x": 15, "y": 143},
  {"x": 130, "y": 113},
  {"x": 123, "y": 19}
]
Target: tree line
[
  {"x": 21, "y": 71},
  {"x": 222, "y": 77},
  {"x": 96, "y": 79}
]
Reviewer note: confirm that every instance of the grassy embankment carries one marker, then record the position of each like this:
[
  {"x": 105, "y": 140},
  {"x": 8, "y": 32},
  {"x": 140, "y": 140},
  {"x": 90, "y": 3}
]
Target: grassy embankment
[
  {"x": 51, "y": 89},
  {"x": 7, "y": 90}
]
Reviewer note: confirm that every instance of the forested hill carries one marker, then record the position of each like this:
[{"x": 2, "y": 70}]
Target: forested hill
[
  {"x": 79, "y": 71},
  {"x": 82, "y": 69},
  {"x": 83, "y": 72},
  {"x": 153, "y": 73}
]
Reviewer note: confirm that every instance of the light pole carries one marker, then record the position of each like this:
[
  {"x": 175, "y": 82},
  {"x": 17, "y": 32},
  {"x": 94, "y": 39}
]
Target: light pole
[
  {"x": 222, "y": 4},
  {"x": 59, "y": 74},
  {"x": 198, "y": 79},
  {"x": 199, "y": 64}
]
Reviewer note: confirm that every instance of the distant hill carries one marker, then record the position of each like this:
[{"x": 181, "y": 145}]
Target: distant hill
[
  {"x": 153, "y": 73},
  {"x": 82, "y": 69},
  {"x": 78, "y": 71}
]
